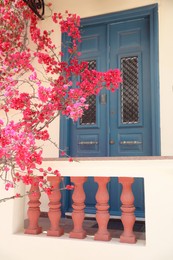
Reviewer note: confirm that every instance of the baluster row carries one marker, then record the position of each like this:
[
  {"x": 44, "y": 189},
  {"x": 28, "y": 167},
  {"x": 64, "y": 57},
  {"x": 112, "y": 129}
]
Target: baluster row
[{"x": 78, "y": 215}]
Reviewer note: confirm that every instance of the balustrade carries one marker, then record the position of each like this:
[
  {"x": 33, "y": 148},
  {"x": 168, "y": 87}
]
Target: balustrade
[
  {"x": 128, "y": 217},
  {"x": 55, "y": 207},
  {"x": 78, "y": 214},
  {"x": 102, "y": 214},
  {"x": 34, "y": 209}
]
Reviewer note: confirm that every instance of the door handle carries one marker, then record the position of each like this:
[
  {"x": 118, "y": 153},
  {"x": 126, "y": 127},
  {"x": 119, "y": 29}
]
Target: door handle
[
  {"x": 130, "y": 142},
  {"x": 87, "y": 142},
  {"x": 111, "y": 142}
]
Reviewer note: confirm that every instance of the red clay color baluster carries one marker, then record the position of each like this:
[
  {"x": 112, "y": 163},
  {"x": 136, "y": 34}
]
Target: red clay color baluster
[
  {"x": 34, "y": 209},
  {"x": 102, "y": 206},
  {"x": 55, "y": 207},
  {"x": 128, "y": 217},
  {"x": 78, "y": 214}
]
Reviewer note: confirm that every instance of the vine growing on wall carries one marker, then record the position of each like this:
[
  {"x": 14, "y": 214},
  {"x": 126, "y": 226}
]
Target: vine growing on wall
[{"x": 36, "y": 88}]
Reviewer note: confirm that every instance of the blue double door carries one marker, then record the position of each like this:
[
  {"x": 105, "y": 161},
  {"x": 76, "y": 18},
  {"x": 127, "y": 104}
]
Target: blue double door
[{"x": 116, "y": 123}]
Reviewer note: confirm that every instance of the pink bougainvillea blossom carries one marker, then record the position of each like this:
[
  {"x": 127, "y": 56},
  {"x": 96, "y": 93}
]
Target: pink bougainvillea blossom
[{"x": 38, "y": 96}]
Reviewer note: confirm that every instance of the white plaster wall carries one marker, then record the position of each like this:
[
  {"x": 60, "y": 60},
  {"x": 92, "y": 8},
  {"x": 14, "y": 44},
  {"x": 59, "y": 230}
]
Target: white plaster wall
[
  {"x": 166, "y": 75},
  {"x": 158, "y": 177},
  {"x": 96, "y": 7}
]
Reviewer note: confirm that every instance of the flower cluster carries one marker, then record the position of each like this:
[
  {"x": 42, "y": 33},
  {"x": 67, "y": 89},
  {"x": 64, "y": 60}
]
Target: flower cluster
[{"x": 38, "y": 98}]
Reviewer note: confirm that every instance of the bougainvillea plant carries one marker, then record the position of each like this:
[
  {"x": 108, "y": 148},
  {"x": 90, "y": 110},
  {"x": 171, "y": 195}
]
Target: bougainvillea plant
[{"x": 36, "y": 87}]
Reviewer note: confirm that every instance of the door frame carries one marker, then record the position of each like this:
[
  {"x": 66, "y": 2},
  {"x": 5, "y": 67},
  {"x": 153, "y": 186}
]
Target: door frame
[{"x": 151, "y": 12}]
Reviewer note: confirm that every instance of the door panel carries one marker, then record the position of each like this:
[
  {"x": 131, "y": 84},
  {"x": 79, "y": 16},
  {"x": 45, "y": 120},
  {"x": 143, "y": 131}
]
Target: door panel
[
  {"x": 130, "y": 116},
  {"x": 119, "y": 123},
  {"x": 88, "y": 135}
]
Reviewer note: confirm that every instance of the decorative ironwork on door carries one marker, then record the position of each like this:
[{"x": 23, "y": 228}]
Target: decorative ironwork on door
[
  {"x": 130, "y": 90},
  {"x": 89, "y": 116}
]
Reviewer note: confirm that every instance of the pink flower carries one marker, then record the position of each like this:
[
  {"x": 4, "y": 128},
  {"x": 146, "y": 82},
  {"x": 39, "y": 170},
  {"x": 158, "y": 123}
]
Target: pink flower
[
  {"x": 69, "y": 187},
  {"x": 43, "y": 95},
  {"x": 9, "y": 185},
  {"x": 57, "y": 173},
  {"x": 63, "y": 153},
  {"x": 33, "y": 76},
  {"x": 17, "y": 195}
]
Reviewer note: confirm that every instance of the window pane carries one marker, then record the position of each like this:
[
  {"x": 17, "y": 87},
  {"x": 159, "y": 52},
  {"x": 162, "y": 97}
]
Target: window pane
[
  {"x": 130, "y": 90},
  {"x": 89, "y": 116}
]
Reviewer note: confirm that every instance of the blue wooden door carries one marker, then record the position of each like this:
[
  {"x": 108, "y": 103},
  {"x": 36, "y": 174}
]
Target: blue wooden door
[{"x": 119, "y": 123}]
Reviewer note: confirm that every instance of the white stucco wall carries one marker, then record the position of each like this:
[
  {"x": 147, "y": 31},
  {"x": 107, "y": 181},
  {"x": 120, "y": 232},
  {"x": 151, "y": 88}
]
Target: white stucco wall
[
  {"x": 166, "y": 75},
  {"x": 158, "y": 177}
]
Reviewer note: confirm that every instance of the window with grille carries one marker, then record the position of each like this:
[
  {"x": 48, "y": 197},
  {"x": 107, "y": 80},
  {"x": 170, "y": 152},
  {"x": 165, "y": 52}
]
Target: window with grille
[
  {"x": 89, "y": 116},
  {"x": 130, "y": 90}
]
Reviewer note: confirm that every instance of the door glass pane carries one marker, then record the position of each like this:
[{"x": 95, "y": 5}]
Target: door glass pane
[
  {"x": 89, "y": 116},
  {"x": 130, "y": 90}
]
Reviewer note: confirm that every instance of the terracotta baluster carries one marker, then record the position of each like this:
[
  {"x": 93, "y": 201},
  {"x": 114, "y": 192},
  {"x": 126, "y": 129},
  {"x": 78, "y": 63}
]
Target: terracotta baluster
[
  {"x": 55, "y": 207},
  {"x": 78, "y": 214},
  {"x": 102, "y": 206},
  {"x": 34, "y": 209},
  {"x": 128, "y": 217}
]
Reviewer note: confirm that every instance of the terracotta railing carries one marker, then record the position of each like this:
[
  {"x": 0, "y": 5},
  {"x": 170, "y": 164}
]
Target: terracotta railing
[{"x": 78, "y": 215}]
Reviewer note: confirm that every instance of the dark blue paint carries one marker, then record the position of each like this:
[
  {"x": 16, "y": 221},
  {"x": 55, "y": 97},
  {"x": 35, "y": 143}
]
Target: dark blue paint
[
  {"x": 131, "y": 38},
  {"x": 93, "y": 47}
]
